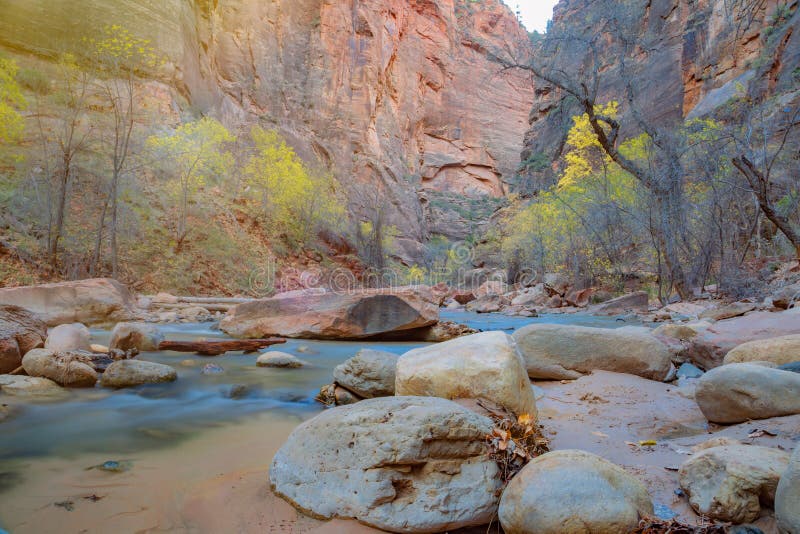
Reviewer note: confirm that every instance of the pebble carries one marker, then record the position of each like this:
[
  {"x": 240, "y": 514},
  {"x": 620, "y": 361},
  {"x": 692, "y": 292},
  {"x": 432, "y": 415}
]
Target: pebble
[{"x": 212, "y": 369}]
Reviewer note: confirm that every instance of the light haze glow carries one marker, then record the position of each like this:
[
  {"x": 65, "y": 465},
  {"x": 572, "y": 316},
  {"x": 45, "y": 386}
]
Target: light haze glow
[{"x": 535, "y": 13}]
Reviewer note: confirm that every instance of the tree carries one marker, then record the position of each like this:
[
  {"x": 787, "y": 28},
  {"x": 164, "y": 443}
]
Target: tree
[
  {"x": 761, "y": 145},
  {"x": 295, "y": 200},
  {"x": 193, "y": 154},
  {"x": 11, "y": 102},
  {"x": 118, "y": 58}
]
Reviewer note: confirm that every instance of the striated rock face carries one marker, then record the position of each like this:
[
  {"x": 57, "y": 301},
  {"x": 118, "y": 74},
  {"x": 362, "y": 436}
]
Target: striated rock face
[
  {"x": 694, "y": 55},
  {"x": 394, "y": 95}
]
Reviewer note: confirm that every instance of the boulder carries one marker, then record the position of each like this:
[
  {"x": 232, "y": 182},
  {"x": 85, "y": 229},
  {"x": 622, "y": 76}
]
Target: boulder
[
  {"x": 463, "y": 297},
  {"x": 66, "y": 337},
  {"x": 131, "y": 373},
  {"x": 786, "y": 297},
  {"x": 633, "y": 302},
  {"x": 402, "y": 464},
  {"x": 282, "y": 360},
  {"x": 729, "y": 311},
  {"x": 481, "y": 366},
  {"x": 140, "y": 336},
  {"x": 370, "y": 373},
  {"x": 560, "y": 352},
  {"x": 732, "y": 482},
  {"x": 94, "y": 301},
  {"x": 20, "y": 331},
  {"x": 778, "y": 350},
  {"x": 353, "y": 315},
  {"x": 709, "y": 347},
  {"x": 579, "y": 297},
  {"x": 64, "y": 369},
  {"x": 556, "y": 283},
  {"x": 441, "y": 331},
  {"x": 738, "y": 392},
  {"x": 491, "y": 287},
  {"x": 787, "y": 497},
  {"x": 687, "y": 370},
  {"x": 572, "y": 491},
  {"x": 532, "y": 296},
  {"x": 488, "y": 304},
  {"x": 30, "y": 387}
]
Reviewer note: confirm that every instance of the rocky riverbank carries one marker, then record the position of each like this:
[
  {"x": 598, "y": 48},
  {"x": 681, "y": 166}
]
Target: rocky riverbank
[{"x": 654, "y": 413}]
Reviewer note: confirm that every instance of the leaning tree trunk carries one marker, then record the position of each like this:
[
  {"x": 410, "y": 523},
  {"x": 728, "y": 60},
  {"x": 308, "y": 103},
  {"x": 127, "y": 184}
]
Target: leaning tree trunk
[{"x": 760, "y": 185}]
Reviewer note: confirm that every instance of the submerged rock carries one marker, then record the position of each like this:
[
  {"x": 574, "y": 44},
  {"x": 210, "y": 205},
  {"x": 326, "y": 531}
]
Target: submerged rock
[
  {"x": 140, "y": 336},
  {"x": 66, "y": 337},
  {"x": 20, "y": 331},
  {"x": 402, "y": 464},
  {"x": 131, "y": 373},
  {"x": 328, "y": 315},
  {"x": 212, "y": 369},
  {"x": 480, "y": 366},
  {"x": 30, "y": 387},
  {"x": 741, "y": 391},
  {"x": 279, "y": 359},
  {"x": 370, "y": 373},
  {"x": 562, "y": 352},
  {"x": 573, "y": 491},
  {"x": 732, "y": 482}
]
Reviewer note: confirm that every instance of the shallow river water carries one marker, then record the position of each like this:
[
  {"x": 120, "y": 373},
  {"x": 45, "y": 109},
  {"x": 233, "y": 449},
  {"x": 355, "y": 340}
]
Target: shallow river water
[{"x": 201, "y": 426}]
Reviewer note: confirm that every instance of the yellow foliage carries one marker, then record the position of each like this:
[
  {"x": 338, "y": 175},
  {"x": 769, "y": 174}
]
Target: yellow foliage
[
  {"x": 118, "y": 49},
  {"x": 295, "y": 200},
  {"x": 11, "y": 102}
]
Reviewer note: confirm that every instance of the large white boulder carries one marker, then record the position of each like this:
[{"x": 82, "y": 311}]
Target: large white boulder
[
  {"x": 787, "y": 497},
  {"x": 143, "y": 337},
  {"x": 402, "y": 464},
  {"x": 66, "y": 337},
  {"x": 131, "y": 373},
  {"x": 480, "y": 366},
  {"x": 570, "y": 491},
  {"x": 732, "y": 482},
  {"x": 778, "y": 350},
  {"x": 370, "y": 373},
  {"x": 66, "y": 369},
  {"x": 565, "y": 352},
  {"x": 738, "y": 392}
]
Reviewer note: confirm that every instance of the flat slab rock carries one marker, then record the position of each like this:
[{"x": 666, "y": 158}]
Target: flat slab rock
[{"x": 402, "y": 464}]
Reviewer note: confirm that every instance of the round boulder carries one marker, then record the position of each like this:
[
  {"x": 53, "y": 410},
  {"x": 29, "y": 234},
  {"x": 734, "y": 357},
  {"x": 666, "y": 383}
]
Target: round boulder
[
  {"x": 572, "y": 491},
  {"x": 480, "y": 366},
  {"x": 739, "y": 392},
  {"x": 130, "y": 373},
  {"x": 787, "y": 497},
  {"x": 66, "y": 337},
  {"x": 370, "y": 373},
  {"x": 64, "y": 369},
  {"x": 567, "y": 352},
  {"x": 20, "y": 331},
  {"x": 402, "y": 464},
  {"x": 732, "y": 482},
  {"x": 281, "y": 360},
  {"x": 141, "y": 336},
  {"x": 778, "y": 350}
]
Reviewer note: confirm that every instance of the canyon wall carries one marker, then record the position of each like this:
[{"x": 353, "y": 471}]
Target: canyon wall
[
  {"x": 691, "y": 57},
  {"x": 397, "y": 97}
]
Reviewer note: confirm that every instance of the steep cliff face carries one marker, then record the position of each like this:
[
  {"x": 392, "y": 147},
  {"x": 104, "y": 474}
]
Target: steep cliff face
[
  {"x": 692, "y": 57},
  {"x": 395, "y": 96}
]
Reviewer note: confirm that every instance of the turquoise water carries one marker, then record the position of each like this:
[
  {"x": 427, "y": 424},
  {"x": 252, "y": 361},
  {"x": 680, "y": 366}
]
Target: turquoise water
[{"x": 122, "y": 422}]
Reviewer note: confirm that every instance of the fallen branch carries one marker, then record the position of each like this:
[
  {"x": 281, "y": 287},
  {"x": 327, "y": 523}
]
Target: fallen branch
[{"x": 215, "y": 348}]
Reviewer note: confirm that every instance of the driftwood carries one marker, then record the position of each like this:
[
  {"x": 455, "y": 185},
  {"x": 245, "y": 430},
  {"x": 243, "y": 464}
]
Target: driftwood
[{"x": 215, "y": 348}]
